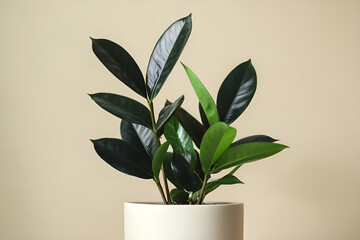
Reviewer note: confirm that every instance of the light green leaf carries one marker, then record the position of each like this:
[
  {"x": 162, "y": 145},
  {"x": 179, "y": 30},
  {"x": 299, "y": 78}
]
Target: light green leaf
[
  {"x": 215, "y": 141},
  {"x": 245, "y": 153},
  {"x": 213, "y": 184},
  {"x": 206, "y": 101},
  {"x": 159, "y": 158}
]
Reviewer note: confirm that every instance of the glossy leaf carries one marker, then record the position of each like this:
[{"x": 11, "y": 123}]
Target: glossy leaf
[
  {"x": 124, "y": 157},
  {"x": 245, "y": 153},
  {"x": 120, "y": 63},
  {"x": 139, "y": 136},
  {"x": 124, "y": 108},
  {"x": 180, "y": 140},
  {"x": 215, "y": 141},
  {"x": 159, "y": 159},
  {"x": 204, "y": 120},
  {"x": 213, "y": 184},
  {"x": 197, "y": 166},
  {"x": 236, "y": 92},
  {"x": 254, "y": 138},
  {"x": 167, "y": 112},
  {"x": 179, "y": 196},
  {"x": 204, "y": 97},
  {"x": 168, "y": 170},
  {"x": 192, "y": 126},
  {"x": 166, "y": 53},
  {"x": 184, "y": 174}
]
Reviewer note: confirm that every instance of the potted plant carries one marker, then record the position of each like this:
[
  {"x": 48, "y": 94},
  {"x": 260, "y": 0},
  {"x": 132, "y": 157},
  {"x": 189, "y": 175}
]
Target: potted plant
[{"x": 191, "y": 170}]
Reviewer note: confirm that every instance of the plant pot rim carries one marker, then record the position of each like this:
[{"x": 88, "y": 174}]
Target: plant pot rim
[
  {"x": 209, "y": 204},
  {"x": 158, "y": 221}
]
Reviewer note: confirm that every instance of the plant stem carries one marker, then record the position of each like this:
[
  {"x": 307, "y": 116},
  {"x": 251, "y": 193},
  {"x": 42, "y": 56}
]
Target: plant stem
[
  {"x": 158, "y": 184},
  {"x": 202, "y": 192},
  {"x": 151, "y": 106},
  {"x": 166, "y": 185}
]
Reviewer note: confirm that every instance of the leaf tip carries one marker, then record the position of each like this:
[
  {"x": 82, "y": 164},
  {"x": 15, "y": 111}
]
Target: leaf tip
[
  {"x": 282, "y": 146},
  {"x": 184, "y": 66},
  {"x": 93, "y": 40}
]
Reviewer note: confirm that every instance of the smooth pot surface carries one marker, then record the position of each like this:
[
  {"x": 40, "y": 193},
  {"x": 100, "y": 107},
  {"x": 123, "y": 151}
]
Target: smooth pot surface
[{"x": 152, "y": 221}]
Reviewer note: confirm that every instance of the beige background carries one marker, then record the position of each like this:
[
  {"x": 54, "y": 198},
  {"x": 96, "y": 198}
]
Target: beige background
[{"x": 307, "y": 56}]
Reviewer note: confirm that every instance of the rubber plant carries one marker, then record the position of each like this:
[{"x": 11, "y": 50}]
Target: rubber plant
[{"x": 140, "y": 152}]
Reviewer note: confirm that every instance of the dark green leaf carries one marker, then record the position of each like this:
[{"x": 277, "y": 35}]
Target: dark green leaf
[
  {"x": 124, "y": 157},
  {"x": 179, "y": 196},
  {"x": 236, "y": 92},
  {"x": 204, "y": 120},
  {"x": 168, "y": 171},
  {"x": 166, "y": 53},
  {"x": 204, "y": 97},
  {"x": 120, "y": 63},
  {"x": 180, "y": 141},
  {"x": 215, "y": 141},
  {"x": 192, "y": 126},
  {"x": 124, "y": 108},
  {"x": 184, "y": 174},
  {"x": 246, "y": 153},
  {"x": 235, "y": 169},
  {"x": 197, "y": 166},
  {"x": 213, "y": 184},
  {"x": 158, "y": 159},
  {"x": 254, "y": 138},
  {"x": 167, "y": 112},
  {"x": 139, "y": 136}
]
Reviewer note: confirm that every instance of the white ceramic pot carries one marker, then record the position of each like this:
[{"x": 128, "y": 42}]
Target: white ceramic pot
[{"x": 151, "y": 221}]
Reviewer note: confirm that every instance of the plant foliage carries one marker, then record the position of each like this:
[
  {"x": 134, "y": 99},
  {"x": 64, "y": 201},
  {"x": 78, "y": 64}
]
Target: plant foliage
[{"x": 141, "y": 154}]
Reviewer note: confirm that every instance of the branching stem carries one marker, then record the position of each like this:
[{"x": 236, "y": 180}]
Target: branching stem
[
  {"x": 158, "y": 184},
  {"x": 166, "y": 185},
  {"x": 168, "y": 198},
  {"x": 202, "y": 192}
]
